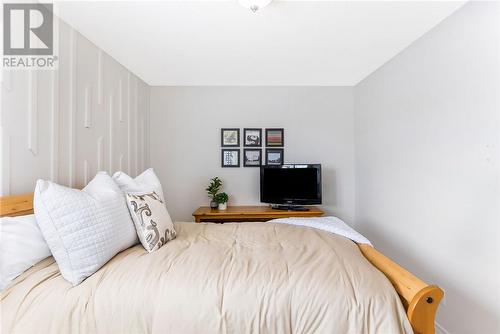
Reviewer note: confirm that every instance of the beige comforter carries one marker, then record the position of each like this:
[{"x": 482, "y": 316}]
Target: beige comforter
[{"x": 231, "y": 278}]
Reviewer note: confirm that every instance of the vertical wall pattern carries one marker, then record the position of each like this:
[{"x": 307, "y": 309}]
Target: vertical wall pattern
[
  {"x": 72, "y": 105},
  {"x": 33, "y": 112},
  {"x": 6, "y": 85},
  {"x": 129, "y": 122},
  {"x": 110, "y": 133},
  {"x": 65, "y": 125},
  {"x": 54, "y": 150}
]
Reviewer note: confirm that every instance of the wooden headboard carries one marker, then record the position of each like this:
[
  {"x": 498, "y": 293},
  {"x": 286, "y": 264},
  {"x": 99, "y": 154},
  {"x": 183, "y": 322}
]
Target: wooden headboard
[
  {"x": 16, "y": 205},
  {"x": 419, "y": 299}
]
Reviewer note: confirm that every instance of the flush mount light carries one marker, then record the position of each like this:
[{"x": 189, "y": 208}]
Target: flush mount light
[{"x": 254, "y": 5}]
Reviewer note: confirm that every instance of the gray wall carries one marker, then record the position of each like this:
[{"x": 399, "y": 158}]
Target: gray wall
[
  {"x": 185, "y": 140},
  {"x": 427, "y": 163}
]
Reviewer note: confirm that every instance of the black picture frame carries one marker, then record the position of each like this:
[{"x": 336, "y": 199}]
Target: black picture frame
[
  {"x": 275, "y": 150},
  {"x": 223, "y": 163},
  {"x": 256, "y": 144},
  {"x": 222, "y": 142},
  {"x": 282, "y": 134},
  {"x": 246, "y": 162}
]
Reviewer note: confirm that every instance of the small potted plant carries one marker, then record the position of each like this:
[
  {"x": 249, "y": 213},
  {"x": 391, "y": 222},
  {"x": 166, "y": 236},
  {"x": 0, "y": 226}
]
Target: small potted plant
[
  {"x": 212, "y": 190},
  {"x": 221, "y": 199}
]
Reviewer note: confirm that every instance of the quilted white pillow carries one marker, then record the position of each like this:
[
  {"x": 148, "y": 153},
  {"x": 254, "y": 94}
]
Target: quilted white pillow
[
  {"x": 146, "y": 182},
  {"x": 152, "y": 221},
  {"x": 83, "y": 228}
]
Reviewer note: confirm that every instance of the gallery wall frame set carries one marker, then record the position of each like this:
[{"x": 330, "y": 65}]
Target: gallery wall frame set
[{"x": 252, "y": 141}]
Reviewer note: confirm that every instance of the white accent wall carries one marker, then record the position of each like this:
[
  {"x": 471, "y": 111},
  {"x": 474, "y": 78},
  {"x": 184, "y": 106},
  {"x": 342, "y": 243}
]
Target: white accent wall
[
  {"x": 427, "y": 164},
  {"x": 64, "y": 125},
  {"x": 186, "y": 150}
]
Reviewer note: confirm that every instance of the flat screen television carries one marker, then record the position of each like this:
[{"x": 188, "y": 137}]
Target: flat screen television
[{"x": 290, "y": 186}]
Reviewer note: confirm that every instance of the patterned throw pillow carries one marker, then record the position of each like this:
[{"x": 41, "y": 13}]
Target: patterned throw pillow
[{"x": 152, "y": 221}]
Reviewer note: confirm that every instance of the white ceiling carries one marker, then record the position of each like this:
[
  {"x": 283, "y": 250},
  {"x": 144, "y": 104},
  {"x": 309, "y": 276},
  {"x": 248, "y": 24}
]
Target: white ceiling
[{"x": 180, "y": 43}]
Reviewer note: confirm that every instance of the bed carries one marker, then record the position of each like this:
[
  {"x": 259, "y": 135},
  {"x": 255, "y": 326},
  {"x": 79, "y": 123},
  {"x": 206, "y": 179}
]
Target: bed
[{"x": 213, "y": 278}]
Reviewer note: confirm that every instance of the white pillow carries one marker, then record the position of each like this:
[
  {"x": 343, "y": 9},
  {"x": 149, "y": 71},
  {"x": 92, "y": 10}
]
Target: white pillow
[
  {"x": 152, "y": 221},
  {"x": 146, "y": 182},
  {"x": 83, "y": 228},
  {"x": 21, "y": 246}
]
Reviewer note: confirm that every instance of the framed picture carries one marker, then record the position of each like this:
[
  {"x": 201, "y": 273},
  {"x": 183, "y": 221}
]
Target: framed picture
[
  {"x": 230, "y": 137},
  {"x": 252, "y": 157},
  {"x": 274, "y": 156},
  {"x": 252, "y": 137},
  {"x": 230, "y": 158},
  {"x": 275, "y": 137}
]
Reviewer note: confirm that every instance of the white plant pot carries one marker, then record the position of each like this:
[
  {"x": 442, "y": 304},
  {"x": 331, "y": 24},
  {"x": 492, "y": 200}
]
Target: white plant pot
[{"x": 222, "y": 206}]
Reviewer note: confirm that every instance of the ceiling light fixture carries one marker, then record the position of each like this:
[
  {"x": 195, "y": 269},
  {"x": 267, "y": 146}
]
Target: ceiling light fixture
[{"x": 254, "y": 5}]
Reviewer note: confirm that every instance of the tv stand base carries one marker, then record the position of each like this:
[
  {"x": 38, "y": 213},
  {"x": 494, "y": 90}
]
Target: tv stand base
[
  {"x": 253, "y": 213},
  {"x": 286, "y": 207}
]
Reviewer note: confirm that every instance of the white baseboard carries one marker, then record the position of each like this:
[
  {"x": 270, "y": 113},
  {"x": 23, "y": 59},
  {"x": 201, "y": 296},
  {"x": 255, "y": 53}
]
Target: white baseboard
[{"x": 440, "y": 329}]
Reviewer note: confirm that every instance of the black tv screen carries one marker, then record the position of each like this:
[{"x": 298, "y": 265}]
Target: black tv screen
[{"x": 291, "y": 184}]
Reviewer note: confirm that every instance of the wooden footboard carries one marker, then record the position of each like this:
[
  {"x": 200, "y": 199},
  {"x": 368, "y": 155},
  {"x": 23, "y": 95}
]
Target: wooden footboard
[{"x": 419, "y": 299}]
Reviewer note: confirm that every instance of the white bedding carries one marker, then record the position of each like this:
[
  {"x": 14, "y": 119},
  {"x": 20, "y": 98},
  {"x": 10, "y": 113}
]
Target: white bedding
[{"x": 329, "y": 224}]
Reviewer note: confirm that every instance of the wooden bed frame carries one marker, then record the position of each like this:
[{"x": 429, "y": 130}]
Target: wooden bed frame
[{"x": 419, "y": 299}]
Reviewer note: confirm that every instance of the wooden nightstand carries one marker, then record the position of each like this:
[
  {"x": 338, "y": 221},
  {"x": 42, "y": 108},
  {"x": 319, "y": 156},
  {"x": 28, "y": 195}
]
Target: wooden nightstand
[{"x": 249, "y": 214}]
